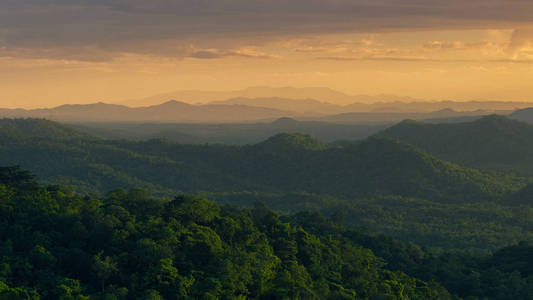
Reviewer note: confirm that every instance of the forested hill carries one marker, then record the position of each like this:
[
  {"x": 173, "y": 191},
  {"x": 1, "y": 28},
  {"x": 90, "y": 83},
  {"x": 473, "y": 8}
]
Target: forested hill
[
  {"x": 525, "y": 114},
  {"x": 22, "y": 129},
  {"x": 283, "y": 163},
  {"x": 380, "y": 184},
  {"x": 493, "y": 142},
  {"x": 56, "y": 244},
  {"x": 294, "y": 162}
]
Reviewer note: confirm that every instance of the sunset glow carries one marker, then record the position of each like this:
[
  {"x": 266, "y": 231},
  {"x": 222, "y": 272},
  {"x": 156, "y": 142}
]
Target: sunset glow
[{"x": 54, "y": 52}]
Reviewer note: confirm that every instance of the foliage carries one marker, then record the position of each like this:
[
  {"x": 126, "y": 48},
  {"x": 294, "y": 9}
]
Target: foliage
[
  {"x": 383, "y": 185},
  {"x": 56, "y": 244},
  {"x": 490, "y": 143}
]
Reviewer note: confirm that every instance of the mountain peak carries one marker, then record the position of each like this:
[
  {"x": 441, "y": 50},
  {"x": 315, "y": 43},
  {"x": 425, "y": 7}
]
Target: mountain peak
[
  {"x": 292, "y": 141},
  {"x": 284, "y": 121},
  {"x": 96, "y": 105},
  {"x": 173, "y": 103},
  {"x": 499, "y": 120},
  {"x": 409, "y": 122},
  {"x": 445, "y": 111}
]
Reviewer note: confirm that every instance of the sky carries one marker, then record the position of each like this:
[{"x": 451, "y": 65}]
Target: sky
[{"x": 80, "y": 51}]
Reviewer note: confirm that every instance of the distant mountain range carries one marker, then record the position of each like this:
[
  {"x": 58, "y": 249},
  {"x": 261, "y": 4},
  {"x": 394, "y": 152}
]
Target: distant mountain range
[
  {"x": 441, "y": 109},
  {"x": 309, "y": 107},
  {"x": 240, "y": 110},
  {"x": 323, "y": 100},
  {"x": 171, "y": 111},
  {"x": 318, "y": 93}
]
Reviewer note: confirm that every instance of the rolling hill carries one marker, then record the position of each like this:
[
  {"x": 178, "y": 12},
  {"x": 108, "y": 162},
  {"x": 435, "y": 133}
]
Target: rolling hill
[
  {"x": 525, "y": 115},
  {"x": 23, "y": 129},
  {"x": 493, "y": 142},
  {"x": 282, "y": 163},
  {"x": 229, "y": 133},
  {"x": 380, "y": 184}
]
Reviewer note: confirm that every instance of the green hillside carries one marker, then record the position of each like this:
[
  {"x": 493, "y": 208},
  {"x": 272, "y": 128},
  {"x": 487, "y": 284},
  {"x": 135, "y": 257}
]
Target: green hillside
[
  {"x": 380, "y": 184},
  {"x": 492, "y": 143},
  {"x": 37, "y": 128},
  {"x": 283, "y": 163},
  {"x": 294, "y": 162}
]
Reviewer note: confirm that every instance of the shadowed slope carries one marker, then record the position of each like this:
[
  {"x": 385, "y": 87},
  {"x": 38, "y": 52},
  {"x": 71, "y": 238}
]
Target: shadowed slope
[{"x": 493, "y": 142}]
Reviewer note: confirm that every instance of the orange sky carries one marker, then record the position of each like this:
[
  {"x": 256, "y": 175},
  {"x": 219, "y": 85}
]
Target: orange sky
[{"x": 57, "y": 51}]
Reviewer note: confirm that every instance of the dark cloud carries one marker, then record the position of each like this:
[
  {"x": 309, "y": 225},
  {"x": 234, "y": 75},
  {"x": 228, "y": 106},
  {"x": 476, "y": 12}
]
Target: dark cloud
[{"x": 116, "y": 26}]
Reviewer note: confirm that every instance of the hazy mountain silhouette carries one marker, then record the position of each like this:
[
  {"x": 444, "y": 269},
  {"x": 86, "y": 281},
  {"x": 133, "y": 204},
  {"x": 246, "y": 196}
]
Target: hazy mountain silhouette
[
  {"x": 303, "y": 106},
  {"x": 237, "y": 110},
  {"x": 435, "y": 110},
  {"x": 170, "y": 111},
  {"x": 492, "y": 142},
  {"x": 191, "y": 96},
  {"x": 393, "y": 117},
  {"x": 285, "y": 121},
  {"x": 422, "y": 106},
  {"x": 321, "y": 94},
  {"x": 349, "y": 103},
  {"x": 525, "y": 115}
]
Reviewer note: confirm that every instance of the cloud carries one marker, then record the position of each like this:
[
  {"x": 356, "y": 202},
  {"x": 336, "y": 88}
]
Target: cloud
[
  {"x": 444, "y": 45},
  {"x": 318, "y": 44},
  {"x": 461, "y": 45},
  {"x": 521, "y": 43},
  {"x": 217, "y": 53},
  {"x": 99, "y": 29}
]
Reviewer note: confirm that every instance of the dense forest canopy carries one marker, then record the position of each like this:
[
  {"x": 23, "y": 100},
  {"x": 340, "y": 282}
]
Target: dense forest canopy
[
  {"x": 57, "y": 244},
  {"x": 60, "y": 245}
]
